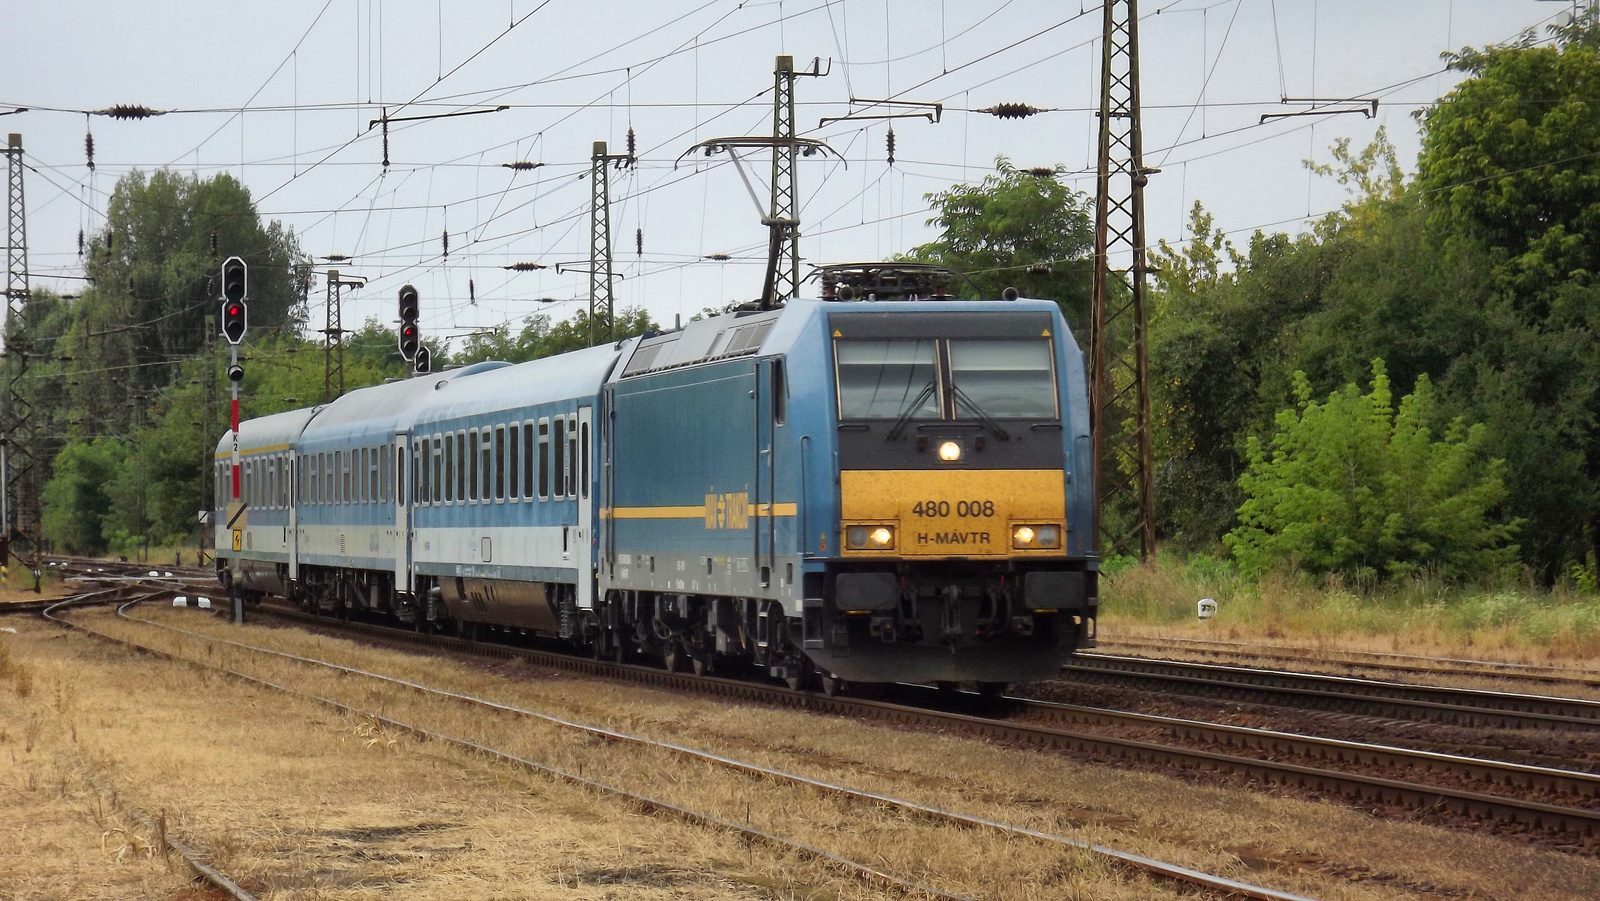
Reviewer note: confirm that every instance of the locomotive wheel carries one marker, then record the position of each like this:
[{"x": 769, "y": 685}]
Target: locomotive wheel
[
  {"x": 992, "y": 689},
  {"x": 832, "y": 685},
  {"x": 700, "y": 664}
]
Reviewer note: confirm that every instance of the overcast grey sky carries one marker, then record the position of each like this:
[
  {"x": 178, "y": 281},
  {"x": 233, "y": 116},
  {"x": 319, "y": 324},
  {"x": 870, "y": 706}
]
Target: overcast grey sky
[{"x": 280, "y": 95}]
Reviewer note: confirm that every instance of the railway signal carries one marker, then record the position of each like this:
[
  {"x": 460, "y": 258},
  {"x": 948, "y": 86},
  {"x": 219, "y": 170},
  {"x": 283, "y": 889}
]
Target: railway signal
[
  {"x": 235, "y": 320},
  {"x": 424, "y": 361},
  {"x": 410, "y": 310}
]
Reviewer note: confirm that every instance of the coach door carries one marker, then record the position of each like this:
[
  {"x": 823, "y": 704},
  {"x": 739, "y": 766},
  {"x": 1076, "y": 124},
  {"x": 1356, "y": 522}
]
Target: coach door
[
  {"x": 585, "y": 478},
  {"x": 291, "y": 532},
  {"x": 402, "y": 513}
]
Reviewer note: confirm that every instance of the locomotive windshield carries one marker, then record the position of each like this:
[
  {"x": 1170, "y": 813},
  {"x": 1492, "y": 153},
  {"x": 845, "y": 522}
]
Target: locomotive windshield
[
  {"x": 927, "y": 379},
  {"x": 1010, "y": 379},
  {"x": 880, "y": 379}
]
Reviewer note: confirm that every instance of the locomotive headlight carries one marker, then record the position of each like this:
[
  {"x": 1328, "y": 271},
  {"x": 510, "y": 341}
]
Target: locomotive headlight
[
  {"x": 1035, "y": 537},
  {"x": 869, "y": 538},
  {"x": 949, "y": 452}
]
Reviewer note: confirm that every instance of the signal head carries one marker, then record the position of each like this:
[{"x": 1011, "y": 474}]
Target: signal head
[
  {"x": 424, "y": 359},
  {"x": 409, "y": 342},
  {"x": 235, "y": 280},
  {"x": 235, "y": 320},
  {"x": 235, "y": 373},
  {"x": 410, "y": 304}
]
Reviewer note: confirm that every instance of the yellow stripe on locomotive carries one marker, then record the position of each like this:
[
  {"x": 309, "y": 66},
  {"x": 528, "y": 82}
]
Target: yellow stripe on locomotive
[{"x": 952, "y": 513}]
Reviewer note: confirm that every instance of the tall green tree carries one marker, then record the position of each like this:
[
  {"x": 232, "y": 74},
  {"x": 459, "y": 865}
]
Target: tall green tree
[
  {"x": 1018, "y": 228},
  {"x": 1508, "y": 176}
]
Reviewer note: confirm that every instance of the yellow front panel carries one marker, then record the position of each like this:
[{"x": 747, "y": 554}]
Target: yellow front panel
[{"x": 952, "y": 512}]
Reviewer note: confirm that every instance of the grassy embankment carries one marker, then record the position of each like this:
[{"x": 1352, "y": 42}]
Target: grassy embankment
[{"x": 1520, "y": 623}]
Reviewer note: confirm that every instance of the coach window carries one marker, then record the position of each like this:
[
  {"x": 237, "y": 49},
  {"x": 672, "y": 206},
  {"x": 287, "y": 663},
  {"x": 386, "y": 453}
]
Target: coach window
[
  {"x": 449, "y": 468},
  {"x": 544, "y": 459},
  {"x": 372, "y": 476},
  {"x": 461, "y": 466},
  {"x": 438, "y": 473},
  {"x": 416, "y": 456},
  {"x": 420, "y": 481},
  {"x": 511, "y": 460},
  {"x": 558, "y": 453},
  {"x": 486, "y": 467},
  {"x": 400, "y": 476},
  {"x": 583, "y": 454},
  {"x": 386, "y": 490},
  {"x": 527, "y": 459},
  {"x": 472, "y": 464},
  {"x": 572, "y": 456},
  {"x": 327, "y": 477},
  {"x": 499, "y": 462}
]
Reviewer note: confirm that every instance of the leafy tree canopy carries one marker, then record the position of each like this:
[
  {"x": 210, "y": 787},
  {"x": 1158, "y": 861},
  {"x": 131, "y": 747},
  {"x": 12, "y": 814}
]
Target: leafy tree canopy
[
  {"x": 1354, "y": 486},
  {"x": 1018, "y": 228}
]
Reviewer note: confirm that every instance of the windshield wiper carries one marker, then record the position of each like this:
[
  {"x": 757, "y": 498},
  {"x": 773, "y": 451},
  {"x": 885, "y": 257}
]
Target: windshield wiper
[
  {"x": 985, "y": 418},
  {"x": 905, "y": 416}
]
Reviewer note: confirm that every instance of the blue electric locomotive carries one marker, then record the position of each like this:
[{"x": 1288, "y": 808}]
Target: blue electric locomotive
[{"x": 852, "y": 491}]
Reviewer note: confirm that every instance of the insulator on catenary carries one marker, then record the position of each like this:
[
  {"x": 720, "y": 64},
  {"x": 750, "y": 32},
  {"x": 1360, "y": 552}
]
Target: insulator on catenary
[
  {"x": 631, "y": 144},
  {"x": 88, "y": 148},
  {"x": 80, "y": 243},
  {"x": 446, "y": 236},
  {"x": 472, "y": 291},
  {"x": 1042, "y": 171},
  {"x": 890, "y": 143},
  {"x": 638, "y": 242},
  {"x": 1011, "y": 110},
  {"x": 213, "y": 242},
  {"x": 719, "y": 257},
  {"x": 524, "y": 267},
  {"x": 130, "y": 111},
  {"x": 521, "y": 166}
]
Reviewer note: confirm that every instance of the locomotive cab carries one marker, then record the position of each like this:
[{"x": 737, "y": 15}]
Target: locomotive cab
[{"x": 964, "y": 549}]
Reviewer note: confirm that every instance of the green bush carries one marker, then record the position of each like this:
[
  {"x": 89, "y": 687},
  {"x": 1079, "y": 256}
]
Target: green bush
[{"x": 1354, "y": 487}]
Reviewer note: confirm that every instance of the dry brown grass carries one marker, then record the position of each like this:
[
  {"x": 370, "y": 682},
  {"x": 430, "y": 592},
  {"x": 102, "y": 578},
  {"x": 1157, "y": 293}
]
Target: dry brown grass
[
  {"x": 1516, "y": 624},
  {"x": 300, "y": 803},
  {"x": 1318, "y": 849}
]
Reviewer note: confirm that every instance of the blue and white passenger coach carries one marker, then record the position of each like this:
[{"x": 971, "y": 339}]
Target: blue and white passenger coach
[{"x": 862, "y": 491}]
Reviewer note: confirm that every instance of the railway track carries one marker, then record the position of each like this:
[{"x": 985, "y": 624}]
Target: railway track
[
  {"x": 135, "y": 592},
  {"x": 1398, "y": 700},
  {"x": 1576, "y": 823},
  {"x": 1365, "y": 660},
  {"x": 1147, "y": 866}
]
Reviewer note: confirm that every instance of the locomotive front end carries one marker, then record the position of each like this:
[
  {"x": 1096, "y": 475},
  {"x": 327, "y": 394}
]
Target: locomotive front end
[{"x": 965, "y": 547}]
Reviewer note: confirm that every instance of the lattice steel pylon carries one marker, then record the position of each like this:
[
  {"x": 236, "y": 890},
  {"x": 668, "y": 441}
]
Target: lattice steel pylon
[
  {"x": 602, "y": 297},
  {"x": 21, "y": 429},
  {"x": 333, "y": 346},
  {"x": 785, "y": 208},
  {"x": 1119, "y": 356}
]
